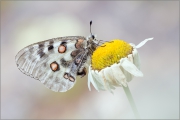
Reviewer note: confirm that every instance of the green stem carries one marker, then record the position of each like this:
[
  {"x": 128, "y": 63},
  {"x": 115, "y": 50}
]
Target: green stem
[{"x": 131, "y": 101}]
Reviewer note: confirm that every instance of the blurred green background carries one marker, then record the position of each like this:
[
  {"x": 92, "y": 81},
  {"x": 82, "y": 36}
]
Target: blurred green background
[{"x": 156, "y": 94}]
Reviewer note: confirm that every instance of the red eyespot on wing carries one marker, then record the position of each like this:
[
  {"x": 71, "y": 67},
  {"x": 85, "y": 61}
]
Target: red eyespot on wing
[
  {"x": 54, "y": 66},
  {"x": 62, "y": 49},
  {"x": 79, "y": 43}
]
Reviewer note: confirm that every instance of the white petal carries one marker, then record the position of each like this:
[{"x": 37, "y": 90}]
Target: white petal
[
  {"x": 91, "y": 80},
  {"x": 143, "y": 42},
  {"x": 136, "y": 58},
  {"x": 97, "y": 82},
  {"x": 130, "y": 58},
  {"x": 130, "y": 67},
  {"x": 118, "y": 75},
  {"x": 98, "y": 79},
  {"x": 132, "y": 44},
  {"x": 128, "y": 75},
  {"x": 109, "y": 76},
  {"x": 105, "y": 81}
]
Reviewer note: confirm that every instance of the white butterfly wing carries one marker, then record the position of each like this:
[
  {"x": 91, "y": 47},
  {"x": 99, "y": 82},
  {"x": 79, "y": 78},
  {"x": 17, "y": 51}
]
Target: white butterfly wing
[{"x": 52, "y": 61}]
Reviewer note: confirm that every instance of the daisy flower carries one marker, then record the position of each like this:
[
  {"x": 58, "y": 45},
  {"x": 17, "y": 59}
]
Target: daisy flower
[{"x": 113, "y": 64}]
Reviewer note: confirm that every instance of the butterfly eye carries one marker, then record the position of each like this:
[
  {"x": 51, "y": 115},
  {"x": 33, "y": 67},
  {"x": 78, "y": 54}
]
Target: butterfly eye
[{"x": 93, "y": 36}]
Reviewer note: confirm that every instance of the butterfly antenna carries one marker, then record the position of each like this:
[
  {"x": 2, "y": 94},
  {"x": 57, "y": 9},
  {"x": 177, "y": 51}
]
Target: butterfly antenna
[
  {"x": 90, "y": 30},
  {"x": 90, "y": 26}
]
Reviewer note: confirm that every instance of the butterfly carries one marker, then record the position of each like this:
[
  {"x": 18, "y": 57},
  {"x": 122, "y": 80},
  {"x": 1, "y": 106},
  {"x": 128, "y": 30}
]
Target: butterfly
[{"x": 58, "y": 61}]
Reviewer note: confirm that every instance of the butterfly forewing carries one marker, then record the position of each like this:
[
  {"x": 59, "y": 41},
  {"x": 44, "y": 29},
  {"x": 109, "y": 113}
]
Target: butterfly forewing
[{"x": 55, "y": 62}]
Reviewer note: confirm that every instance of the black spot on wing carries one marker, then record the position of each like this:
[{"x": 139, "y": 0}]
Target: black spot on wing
[
  {"x": 41, "y": 45},
  {"x": 76, "y": 52},
  {"x": 63, "y": 43},
  {"x": 44, "y": 64},
  {"x": 51, "y": 42},
  {"x": 64, "y": 63},
  {"x": 50, "y": 47},
  {"x": 41, "y": 54}
]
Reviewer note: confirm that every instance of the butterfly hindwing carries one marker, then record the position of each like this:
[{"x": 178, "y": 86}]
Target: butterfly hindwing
[{"x": 54, "y": 62}]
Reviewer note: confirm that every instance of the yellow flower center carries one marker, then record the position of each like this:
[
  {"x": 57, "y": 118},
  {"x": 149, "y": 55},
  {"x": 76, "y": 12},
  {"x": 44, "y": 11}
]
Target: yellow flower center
[{"x": 110, "y": 53}]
